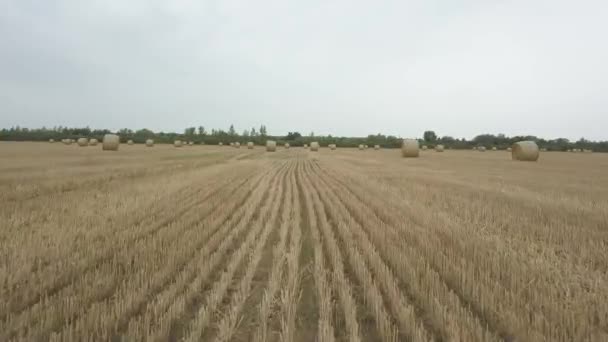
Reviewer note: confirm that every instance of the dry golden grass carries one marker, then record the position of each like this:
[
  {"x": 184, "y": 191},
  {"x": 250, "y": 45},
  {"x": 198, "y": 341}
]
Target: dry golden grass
[{"x": 293, "y": 246}]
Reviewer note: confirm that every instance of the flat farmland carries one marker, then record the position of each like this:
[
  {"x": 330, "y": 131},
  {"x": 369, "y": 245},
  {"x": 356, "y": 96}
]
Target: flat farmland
[{"x": 209, "y": 243}]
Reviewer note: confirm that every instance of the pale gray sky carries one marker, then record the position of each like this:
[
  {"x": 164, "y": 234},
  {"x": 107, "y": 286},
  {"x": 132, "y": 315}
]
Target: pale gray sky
[{"x": 340, "y": 67}]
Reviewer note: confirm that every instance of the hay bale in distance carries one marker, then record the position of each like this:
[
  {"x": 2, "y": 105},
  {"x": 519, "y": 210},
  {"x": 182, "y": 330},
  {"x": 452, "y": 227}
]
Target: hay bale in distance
[
  {"x": 237, "y": 145},
  {"x": 494, "y": 148},
  {"x": 439, "y": 148},
  {"x": 424, "y": 147},
  {"x": 376, "y": 147},
  {"x": 250, "y": 145},
  {"x": 410, "y": 148},
  {"x": 305, "y": 145},
  {"x": 220, "y": 144},
  {"x": 332, "y": 147},
  {"x": 525, "y": 151},
  {"x": 177, "y": 143},
  {"x": 67, "y": 141},
  {"x": 286, "y": 145},
  {"x": 93, "y": 142},
  {"x": 110, "y": 142},
  {"x": 149, "y": 143},
  {"x": 314, "y": 146},
  {"x": 130, "y": 142},
  {"x": 83, "y": 142},
  {"x": 481, "y": 149},
  {"x": 509, "y": 149},
  {"x": 51, "y": 141},
  {"x": 271, "y": 146},
  {"x": 361, "y": 147}
]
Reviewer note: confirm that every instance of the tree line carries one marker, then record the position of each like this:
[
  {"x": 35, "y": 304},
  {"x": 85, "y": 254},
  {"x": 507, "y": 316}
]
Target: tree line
[{"x": 199, "y": 135}]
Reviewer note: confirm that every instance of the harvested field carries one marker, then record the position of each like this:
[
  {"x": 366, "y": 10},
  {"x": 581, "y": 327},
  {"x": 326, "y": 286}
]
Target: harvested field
[{"x": 215, "y": 244}]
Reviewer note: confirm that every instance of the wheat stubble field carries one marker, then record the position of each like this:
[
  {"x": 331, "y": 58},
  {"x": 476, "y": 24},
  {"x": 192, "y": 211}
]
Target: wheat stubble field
[{"x": 220, "y": 244}]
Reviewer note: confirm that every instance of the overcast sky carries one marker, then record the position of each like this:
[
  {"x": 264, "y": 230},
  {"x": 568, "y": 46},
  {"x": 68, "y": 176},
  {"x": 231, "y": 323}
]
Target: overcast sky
[{"x": 343, "y": 67}]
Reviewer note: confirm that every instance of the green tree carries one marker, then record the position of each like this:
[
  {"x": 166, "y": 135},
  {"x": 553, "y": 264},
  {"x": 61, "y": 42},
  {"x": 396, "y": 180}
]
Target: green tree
[
  {"x": 293, "y": 136},
  {"x": 190, "y": 131},
  {"x": 201, "y": 130},
  {"x": 232, "y": 131},
  {"x": 430, "y": 136}
]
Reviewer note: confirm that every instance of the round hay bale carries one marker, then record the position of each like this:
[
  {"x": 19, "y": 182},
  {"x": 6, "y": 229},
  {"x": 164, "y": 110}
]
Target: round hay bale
[
  {"x": 93, "y": 142},
  {"x": 474, "y": 148},
  {"x": 332, "y": 147},
  {"x": 67, "y": 141},
  {"x": 525, "y": 151},
  {"x": 237, "y": 144},
  {"x": 410, "y": 148},
  {"x": 250, "y": 145},
  {"x": 51, "y": 141},
  {"x": 424, "y": 147},
  {"x": 588, "y": 151},
  {"x": 271, "y": 146},
  {"x": 110, "y": 142},
  {"x": 130, "y": 142},
  {"x": 361, "y": 147},
  {"x": 314, "y": 146},
  {"x": 221, "y": 143},
  {"x": 305, "y": 145},
  {"x": 481, "y": 149},
  {"x": 494, "y": 148},
  {"x": 439, "y": 148},
  {"x": 191, "y": 143},
  {"x": 376, "y": 147},
  {"x": 83, "y": 142},
  {"x": 177, "y": 143},
  {"x": 543, "y": 149},
  {"x": 509, "y": 149},
  {"x": 286, "y": 145},
  {"x": 149, "y": 143}
]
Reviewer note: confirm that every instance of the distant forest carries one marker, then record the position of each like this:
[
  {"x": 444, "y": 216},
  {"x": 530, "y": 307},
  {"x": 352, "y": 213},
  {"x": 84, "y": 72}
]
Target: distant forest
[{"x": 199, "y": 135}]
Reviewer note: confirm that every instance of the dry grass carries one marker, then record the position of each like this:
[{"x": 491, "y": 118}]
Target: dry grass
[{"x": 292, "y": 246}]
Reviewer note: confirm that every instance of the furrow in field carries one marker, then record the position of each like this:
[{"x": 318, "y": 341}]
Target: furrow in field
[
  {"x": 361, "y": 251},
  {"x": 491, "y": 261},
  {"x": 452, "y": 274},
  {"x": 451, "y": 307},
  {"x": 340, "y": 280},
  {"x": 322, "y": 286},
  {"x": 229, "y": 229},
  {"x": 165, "y": 315},
  {"x": 258, "y": 327},
  {"x": 139, "y": 294},
  {"x": 231, "y": 317},
  {"x": 55, "y": 279},
  {"x": 291, "y": 290},
  {"x": 202, "y": 313},
  {"x": 80, "y": 299},
  {"x": 339, "y": 238}
]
